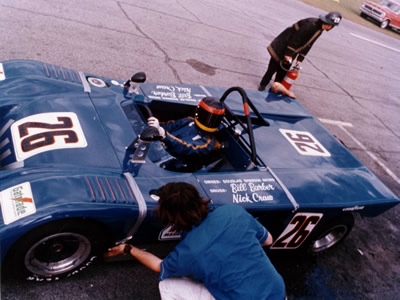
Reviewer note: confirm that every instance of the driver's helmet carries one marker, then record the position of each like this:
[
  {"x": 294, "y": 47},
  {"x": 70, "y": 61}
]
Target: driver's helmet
[
  {"x": 333, "y": 18},
  {"x": 209, "y": 114}
]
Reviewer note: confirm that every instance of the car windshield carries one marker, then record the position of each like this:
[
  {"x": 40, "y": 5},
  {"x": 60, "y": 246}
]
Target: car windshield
[{"x": 392, "y": 6}]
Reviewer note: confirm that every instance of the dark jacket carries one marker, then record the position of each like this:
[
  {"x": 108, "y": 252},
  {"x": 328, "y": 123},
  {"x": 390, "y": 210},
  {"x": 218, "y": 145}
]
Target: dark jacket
[
  {"x": 185, "y": 140},
  {"x": 296, "y": 40}
]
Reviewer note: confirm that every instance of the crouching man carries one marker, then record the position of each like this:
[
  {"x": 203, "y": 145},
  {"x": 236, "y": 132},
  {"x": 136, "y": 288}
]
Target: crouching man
[{"x": 221, "y": 250}]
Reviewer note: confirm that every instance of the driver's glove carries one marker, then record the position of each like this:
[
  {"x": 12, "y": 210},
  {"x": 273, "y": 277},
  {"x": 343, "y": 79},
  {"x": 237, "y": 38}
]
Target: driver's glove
[{"x": 152, "y": 121}]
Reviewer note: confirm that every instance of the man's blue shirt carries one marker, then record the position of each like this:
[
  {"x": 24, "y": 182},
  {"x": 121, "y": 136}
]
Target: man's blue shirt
[{"x": 225, "y": 253}]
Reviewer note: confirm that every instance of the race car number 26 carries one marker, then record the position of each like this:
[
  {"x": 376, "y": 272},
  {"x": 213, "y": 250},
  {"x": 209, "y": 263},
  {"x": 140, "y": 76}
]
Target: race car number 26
[
  {"x": 304, "y": 142},
  {"x": 297, "y": 231},
  {"x": 46, "y": 131}
]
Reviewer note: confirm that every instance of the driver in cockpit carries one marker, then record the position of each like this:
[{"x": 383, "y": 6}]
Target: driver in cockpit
[{"x": 192, "y": 137}]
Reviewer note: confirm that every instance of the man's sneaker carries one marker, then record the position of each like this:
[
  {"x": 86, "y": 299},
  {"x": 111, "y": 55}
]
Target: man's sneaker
[{"x": 261, "y": 88}]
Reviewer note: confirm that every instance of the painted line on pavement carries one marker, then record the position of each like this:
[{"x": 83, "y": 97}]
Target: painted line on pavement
[
  {"x": 337, "y": 123},
  {"x": 342, "y": 126},
  {"x": 376, "y": 43}
]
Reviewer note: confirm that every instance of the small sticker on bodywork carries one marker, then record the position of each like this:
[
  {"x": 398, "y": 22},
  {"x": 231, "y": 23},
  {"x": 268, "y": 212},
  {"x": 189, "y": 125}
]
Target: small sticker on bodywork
[
  {"x": 2, "y": 74},
  {"x": 354, "y": 208},
  {"x": 305, "y": 143},
  {"x": 97, "y": 82},
  {"x": 168, "y": 234},
  {"x": 17, "y": 202}
]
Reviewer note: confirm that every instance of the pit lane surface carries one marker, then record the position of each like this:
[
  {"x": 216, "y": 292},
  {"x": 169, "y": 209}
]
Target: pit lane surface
[{"x": 350, "y": 80}]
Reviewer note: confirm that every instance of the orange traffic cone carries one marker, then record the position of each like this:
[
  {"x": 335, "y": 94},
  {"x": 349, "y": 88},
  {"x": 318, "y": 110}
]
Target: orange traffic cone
[{"x": 290, "y": 77}]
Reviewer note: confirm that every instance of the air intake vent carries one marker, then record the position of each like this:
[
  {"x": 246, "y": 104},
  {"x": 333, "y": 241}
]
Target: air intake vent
[
  {"x": 110, "y": 189},
  {"x": 61, "y": 73}
]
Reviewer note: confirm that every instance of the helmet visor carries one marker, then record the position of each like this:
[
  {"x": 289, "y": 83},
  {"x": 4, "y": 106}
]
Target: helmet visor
[{"x": 208, "y": 118}]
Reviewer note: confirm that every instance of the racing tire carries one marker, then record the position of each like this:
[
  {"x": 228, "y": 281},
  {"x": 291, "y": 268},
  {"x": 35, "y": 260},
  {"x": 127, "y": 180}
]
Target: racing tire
[
  {"x": 330, "y": 234},
  {"x": 384, "y": 24},
  {"x": 56, "y": 250}
]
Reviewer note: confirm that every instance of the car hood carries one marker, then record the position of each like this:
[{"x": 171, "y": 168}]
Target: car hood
[{"x": 46, "y": 108}]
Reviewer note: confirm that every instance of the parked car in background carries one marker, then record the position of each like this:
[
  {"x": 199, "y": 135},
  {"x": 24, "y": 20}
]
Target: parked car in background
[{"x": 386, "y": 13}]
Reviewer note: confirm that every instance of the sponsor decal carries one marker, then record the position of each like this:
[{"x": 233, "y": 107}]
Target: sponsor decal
[
  {"x": 166, "y": 234},
  {"x": 45, "y": 132},
  {"x": 297, "y": 231},
  {"x": 17, "y": 202},
  {"x": 115, "y": 82},
  {"x": 97, "y": 82},
  {"x": 2, "y": 74},
  {"x": 354, "y": 208},
  {"x": 305, "y": 143}
]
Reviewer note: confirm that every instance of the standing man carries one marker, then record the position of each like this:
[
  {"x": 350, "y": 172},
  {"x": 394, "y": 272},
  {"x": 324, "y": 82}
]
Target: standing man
[
  {"x": 220, "y": 249},
  {"x": 294, "y": 43}
]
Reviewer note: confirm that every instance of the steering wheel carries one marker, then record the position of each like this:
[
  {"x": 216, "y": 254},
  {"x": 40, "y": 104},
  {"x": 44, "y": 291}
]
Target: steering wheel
[
  {"x": 149, "y": 133},
  {"x": 233, "y": 120},
  {"x": 145, "y": 112}
]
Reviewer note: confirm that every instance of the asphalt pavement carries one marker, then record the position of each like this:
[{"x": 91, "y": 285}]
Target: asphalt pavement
[{"x": 350, "y": 80}]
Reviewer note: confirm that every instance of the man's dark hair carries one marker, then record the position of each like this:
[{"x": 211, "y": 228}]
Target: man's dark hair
[{"x": 181, "y": 206}]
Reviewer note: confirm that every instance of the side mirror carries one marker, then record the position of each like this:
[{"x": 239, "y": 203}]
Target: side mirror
[
  {"x": 133, "y": 84},
  {"x": 139, "y": 77}
]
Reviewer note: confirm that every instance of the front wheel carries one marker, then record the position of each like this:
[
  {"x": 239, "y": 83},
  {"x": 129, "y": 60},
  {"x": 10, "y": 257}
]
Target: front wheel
[
  {"x": 55, "y": 250},
  {"x": 331, "y": 234},
  {"x": 384, "y": 24}
]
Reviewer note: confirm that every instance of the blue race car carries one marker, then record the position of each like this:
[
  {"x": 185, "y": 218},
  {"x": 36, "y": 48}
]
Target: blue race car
[{"x": 78, "y": 167}]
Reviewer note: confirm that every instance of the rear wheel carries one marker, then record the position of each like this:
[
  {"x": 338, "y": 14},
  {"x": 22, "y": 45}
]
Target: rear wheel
[
  {"x": 55, "y": 250},
  {"x": 331, "y": 234}
]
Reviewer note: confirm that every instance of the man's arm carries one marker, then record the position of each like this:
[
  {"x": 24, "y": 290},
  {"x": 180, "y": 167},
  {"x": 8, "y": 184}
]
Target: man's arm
[
  {"x": 268, "y": 241},
  {"x": 149, "y": 260}
]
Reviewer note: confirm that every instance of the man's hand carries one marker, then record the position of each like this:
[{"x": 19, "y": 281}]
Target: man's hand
[
  {"x": 114, "y": 251},
  {"x": 152, "y": 121},
  {"x": 149, "y": 260},
  {"x": 298, "y": 63},
  {"x": 288, "y": 59}
]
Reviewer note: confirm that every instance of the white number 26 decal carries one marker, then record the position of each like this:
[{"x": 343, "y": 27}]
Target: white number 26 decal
[
  {"x": 297, "y": 231},
  {"x": 46, "y": 131},
  {"x": 304, "y": 142}
]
